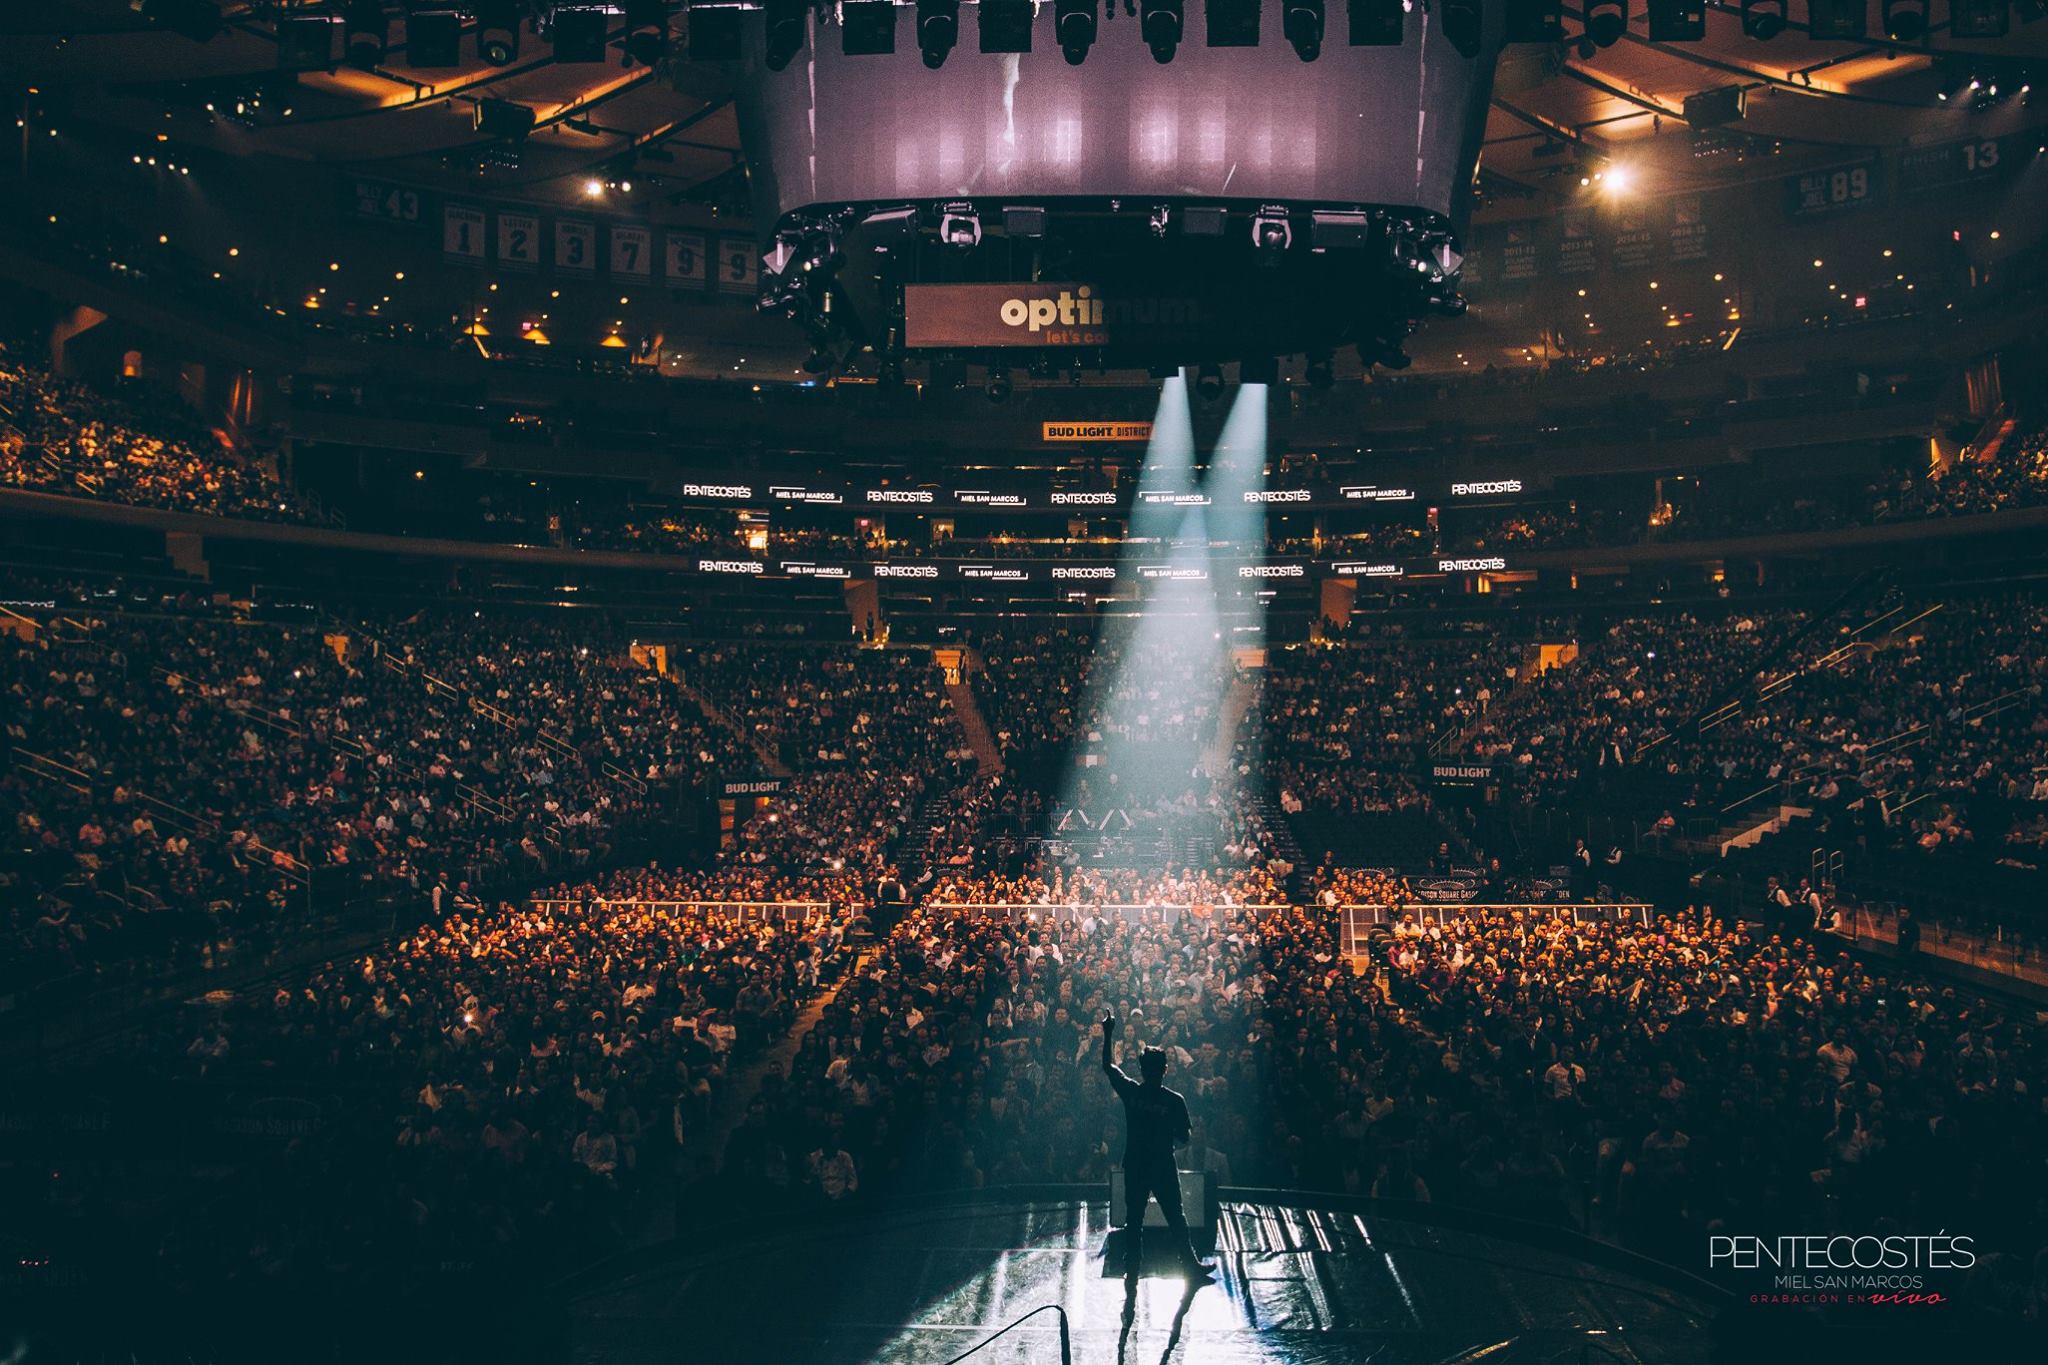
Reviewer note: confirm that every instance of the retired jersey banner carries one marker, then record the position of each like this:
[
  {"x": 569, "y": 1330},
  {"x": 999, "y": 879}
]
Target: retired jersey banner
[
  {"x": 462, "y": 232},
  {"x": 1097, "y": 431}
]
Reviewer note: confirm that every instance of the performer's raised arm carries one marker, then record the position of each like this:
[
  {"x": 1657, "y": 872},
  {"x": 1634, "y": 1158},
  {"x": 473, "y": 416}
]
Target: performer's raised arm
[{"x": 1116, "y": 1076}]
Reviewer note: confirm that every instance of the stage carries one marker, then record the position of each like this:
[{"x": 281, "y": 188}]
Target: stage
[{"x": 1331, "y": 1282}]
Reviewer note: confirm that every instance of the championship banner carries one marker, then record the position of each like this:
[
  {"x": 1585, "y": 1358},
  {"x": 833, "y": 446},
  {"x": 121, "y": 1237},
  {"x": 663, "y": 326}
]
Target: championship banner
[
  {"x": 1518, "y": 257},
  {"x": 1070, "y": 314},
  {"x": 1575, "y": 243},
  {"x": 1688, "y": 229},
  {"x": 1632, "y": 238},
  {"x": 1096, "y": 431}
]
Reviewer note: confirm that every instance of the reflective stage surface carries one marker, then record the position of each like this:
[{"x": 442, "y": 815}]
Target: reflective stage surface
[{"x": 1292, "y": 1285}]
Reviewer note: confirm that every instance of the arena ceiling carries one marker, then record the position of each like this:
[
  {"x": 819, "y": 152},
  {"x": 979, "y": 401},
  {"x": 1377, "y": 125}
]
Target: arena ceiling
[{"x": 1556, "y": 112}]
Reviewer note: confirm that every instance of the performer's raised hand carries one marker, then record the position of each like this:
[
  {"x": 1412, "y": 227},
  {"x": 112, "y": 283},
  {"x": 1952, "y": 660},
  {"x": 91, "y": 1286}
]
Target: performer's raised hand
[{"x": 1109, "y": 1022}]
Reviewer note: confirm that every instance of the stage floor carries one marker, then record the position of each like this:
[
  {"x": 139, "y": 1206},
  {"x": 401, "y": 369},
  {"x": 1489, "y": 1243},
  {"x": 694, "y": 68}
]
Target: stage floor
[{"x": 1293, "y": 1285}]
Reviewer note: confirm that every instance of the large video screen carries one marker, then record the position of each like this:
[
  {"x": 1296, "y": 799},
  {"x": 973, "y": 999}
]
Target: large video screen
[{"x": 1377, "y": 125}]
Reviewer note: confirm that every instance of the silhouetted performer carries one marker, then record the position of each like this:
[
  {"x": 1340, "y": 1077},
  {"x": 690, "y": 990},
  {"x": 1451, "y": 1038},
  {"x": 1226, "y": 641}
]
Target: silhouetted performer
[{"x": 1155, "y": 1122}]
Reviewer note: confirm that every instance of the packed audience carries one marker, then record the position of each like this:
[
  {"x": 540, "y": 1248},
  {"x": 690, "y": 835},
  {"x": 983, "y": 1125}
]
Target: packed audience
[
  {"x": 186, "y": 787},
  {"x": 59, "y": 436},
  {"x": 1347, "y": 726}
]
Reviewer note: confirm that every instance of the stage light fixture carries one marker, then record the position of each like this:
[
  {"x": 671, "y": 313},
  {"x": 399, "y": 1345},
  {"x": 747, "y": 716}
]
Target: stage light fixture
[
  {"x": 867, "y": 28},
  {"x": 1978, "y": 18},
  {"x": 998, "y": 386},
  {"x": 198, "y": 20},
  {"x": 1162, "y": 23},
  {"x": 1209, "y": 383},
  {"x": 1905, "y": 21},
  {"x": 1023, "y": 220},
  {"x": 497, "y": 32},
  {"x": 433, "y": 38},
  {"x": 786, "y": 20},
  {"x": 714, "y": 31},
  {"x": 646, "y": 27},
  {"x": 367, "y": 32},
  {"x": 1677, "y": 21},
  {"x": 578, "y": 33},
  {"x": 938, "y": 30},
  {"x": 1535, "y": 21},
  {"x": 960, "y": 226},
  {"x": 1233, "y": 23},
  {"x": 1302, "y": 22},
  {"x": 1606, "y": 21},
  {"x": 1271, "y": 232},
  {"x": 818, "y": 361},
  {"x": 1006, "y": 25},
  {"x": 1374, "y": 23},
  {"x": 1463, "y": 25},
  {"x": 1763, "y": 19},
  {"x": 504, "y": 119},
  {"x": 1837, "y": 20},
  {"x": 1073, "y": 25},
  {"x": 305, "y": 42}
]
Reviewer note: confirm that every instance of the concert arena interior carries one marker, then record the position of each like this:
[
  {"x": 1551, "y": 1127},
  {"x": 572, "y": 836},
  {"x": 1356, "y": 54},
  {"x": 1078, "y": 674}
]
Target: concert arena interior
[{"x": 895, "y": 683}]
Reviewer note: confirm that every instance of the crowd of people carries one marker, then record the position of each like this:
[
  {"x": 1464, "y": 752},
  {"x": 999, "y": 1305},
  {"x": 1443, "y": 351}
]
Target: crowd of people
[
  {"x": 60, "y": 436},
  {"x": 1347, "y": 725}
]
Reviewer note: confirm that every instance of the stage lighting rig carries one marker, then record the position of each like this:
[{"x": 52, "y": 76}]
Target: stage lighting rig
[
  {"x": 646, "y": 32},
  {"x": 1073, "y": 24},
  {"x": 433, "y": 38},
  {"x": 1005, "y": 25},
  {"x": 198, "y": 20},
  {"x": 1838, "y": 19},
  {"x": 938, "y": 30},
  {"x": 1535, "y": 21},
  {"x": 1209, "y": 383},
  {"x": 578, "y": 32},
  {"x": 1162, "y": 23},
  {"x": 1232, "y": 23},
  {"x": 1462, "y": 20},
  {"x": 497, "y": 31},
  {"x": 1979, "y": 18},
  {"x": 1159, "y": 219},
  {"x": 367, "y": 32},
  {"x": 1606, "y": 21},
  {"x": 1302, "y": 22},
  {"x": 1905, "y": 21},
  {"x": 960, "y": 227},
  {"x": 1376, "y": 23},
  {"x": 1272, "y": 234},
  {"x": 1677, "y": 21},
  {"x": 867, "y": 28},
  {"x": 1763, "y": 20},
  {"x": 786, "y": 20}
]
